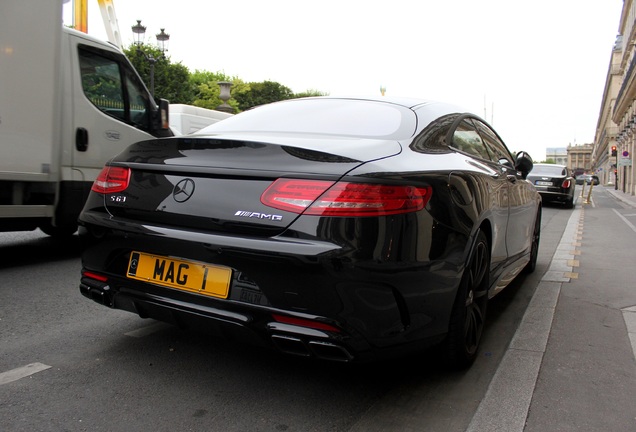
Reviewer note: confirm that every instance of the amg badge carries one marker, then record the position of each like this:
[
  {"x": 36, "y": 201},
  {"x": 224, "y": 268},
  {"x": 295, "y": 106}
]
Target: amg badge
[{"x": 254, "y": 215}]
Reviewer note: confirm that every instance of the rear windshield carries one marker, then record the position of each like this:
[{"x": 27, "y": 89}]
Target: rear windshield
[
  {"x": 342, "y": 117},
  {"x": 555, "y": 170}
]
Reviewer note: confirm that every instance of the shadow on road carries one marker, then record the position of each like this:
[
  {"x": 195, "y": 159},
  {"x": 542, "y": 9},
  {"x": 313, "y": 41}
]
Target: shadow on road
[{"x": 18, "y": 249}]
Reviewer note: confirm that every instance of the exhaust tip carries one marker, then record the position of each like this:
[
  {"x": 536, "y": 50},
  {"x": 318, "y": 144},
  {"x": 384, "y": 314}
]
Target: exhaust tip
[
  {"x": 98, "y": 295},
  {"x": 330, "y": 351},
  {"x": 291, "y": 345},
  {"x": 313, "y": 348}
]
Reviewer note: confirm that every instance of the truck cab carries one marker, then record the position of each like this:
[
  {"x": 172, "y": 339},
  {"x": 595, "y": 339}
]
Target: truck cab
[{"x": 68, "y": 103}]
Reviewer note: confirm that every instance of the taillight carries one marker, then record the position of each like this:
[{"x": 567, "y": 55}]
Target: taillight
[
  {"x": 325, "y": 198},
  {"x": 566, "y": 184},
  {"x": 305, "y": 323},
  {"x": 95, "y": 276},
  {"x": 111, "y": 180}
]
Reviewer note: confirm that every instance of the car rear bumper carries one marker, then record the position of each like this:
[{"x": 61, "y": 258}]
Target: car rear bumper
[
  {"x": 256, "y": 328},
  {"x": 377, "y": 308},
  {"x": 552, "y": 196}
]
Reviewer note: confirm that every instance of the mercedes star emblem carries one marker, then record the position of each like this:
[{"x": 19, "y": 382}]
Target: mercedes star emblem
[{"x": 183, "y": 190}]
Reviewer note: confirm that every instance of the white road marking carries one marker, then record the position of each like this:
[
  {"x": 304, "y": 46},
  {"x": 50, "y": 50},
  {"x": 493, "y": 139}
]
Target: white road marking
[
  {"x": 629, "y": 315},
  {"x": 22, "y": 372},
  {"x": 629, "y": 224}
]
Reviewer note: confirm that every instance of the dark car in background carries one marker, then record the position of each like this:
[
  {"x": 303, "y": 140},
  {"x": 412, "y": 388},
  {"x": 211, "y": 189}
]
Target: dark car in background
[
  {"x": 338, "y": 228},
  {"x": 587, "y": 179},
  {"x": 554, "y": 183}
]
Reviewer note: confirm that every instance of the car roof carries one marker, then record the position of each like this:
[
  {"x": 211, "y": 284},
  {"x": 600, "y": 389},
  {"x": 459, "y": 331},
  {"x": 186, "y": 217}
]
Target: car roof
[
  {"x": 550, "y": 165},
  {"x": 408, "y": 102},
  {"x": 424, "y": 110}
]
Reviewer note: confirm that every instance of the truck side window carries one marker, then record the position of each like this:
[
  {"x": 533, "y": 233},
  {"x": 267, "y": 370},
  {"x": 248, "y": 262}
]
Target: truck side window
[
  {"x": 102, "y": 84},
  {"x": 113, "y": 87},
  {"x": 138, "y": 101}
]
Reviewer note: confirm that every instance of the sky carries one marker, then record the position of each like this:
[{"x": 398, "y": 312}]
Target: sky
[{"x": 535, "y": 71}]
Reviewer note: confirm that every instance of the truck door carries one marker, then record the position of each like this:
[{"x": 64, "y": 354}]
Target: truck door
[{"x": 111, "y": 107}]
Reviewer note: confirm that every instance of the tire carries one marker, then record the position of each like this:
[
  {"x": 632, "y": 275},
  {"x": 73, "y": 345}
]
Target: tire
[
  {"x": 534, "y": 249},
  {"x": 469, "y": 309},
  {"x": 569, "y": 204},
  {"x": 58, "y": 232}
]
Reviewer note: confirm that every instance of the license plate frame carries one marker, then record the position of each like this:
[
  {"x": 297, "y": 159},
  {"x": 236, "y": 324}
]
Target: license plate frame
[
  {"x": 181, "y": 274},
  {"x": 543, "y": 183}
]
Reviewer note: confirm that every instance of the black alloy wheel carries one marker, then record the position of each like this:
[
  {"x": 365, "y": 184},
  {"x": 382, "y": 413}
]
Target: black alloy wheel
[
  {"x": 534, "y": 250},
  {"x": 469, "y": 311}
]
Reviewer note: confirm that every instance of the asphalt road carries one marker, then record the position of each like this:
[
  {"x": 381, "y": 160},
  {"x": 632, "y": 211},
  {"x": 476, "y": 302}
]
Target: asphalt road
[{"x": 68, "y": 364}]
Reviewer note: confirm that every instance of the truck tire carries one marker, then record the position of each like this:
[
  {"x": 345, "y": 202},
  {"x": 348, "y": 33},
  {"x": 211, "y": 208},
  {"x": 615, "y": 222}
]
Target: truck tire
[{"x": 58, "y": 231}]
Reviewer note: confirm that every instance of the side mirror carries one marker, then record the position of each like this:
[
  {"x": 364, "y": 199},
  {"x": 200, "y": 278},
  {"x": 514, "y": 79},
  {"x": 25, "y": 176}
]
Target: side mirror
[
  {"x": 523, "y": 163},
  {"x": 161, "y": 120},
  {"x": 164, "y": 113}
]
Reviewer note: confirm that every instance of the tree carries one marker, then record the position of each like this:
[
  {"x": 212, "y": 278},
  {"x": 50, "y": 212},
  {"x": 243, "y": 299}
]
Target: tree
[
  {"x": 171, "y": 80},
  {"x": 261, "y": 93},
  {"x": 207, "y": 89},
  {"x": 310, "y": 93},
  {"x": 175, "y": 83}
]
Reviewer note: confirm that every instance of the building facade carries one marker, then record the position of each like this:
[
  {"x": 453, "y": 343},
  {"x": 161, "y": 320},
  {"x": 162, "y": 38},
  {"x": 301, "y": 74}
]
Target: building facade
[
  {"x": 558, "y": 155},
  {"x": 579, "y": 158},
  {"x": 616, "y": 127}
]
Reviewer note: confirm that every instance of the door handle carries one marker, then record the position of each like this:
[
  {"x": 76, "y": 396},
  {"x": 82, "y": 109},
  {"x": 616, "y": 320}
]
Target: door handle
[{"x": 81, "y": 139}]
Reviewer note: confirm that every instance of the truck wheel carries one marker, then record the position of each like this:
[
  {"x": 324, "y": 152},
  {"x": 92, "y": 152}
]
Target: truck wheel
[{"x": 58, "y": 231}]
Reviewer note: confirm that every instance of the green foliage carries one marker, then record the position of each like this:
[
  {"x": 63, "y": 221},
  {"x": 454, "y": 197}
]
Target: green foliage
[
  {"x": 174, "y": 82},
  {"x": 102, "y": 83},
  {"x": 262, "y": 93},
  {"x": 208, "y": 90},
  {"x": 310, "y": 93},
  {"x": 171, "y": 79}
]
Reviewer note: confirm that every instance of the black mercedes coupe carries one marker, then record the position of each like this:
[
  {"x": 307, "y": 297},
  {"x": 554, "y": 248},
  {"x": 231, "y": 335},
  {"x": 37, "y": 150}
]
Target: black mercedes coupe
[{"x": 345, "y": 229}]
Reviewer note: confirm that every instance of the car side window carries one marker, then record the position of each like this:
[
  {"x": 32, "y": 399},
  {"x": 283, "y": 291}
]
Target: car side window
[
  {"x": 467, "y": 139},
  {"x": 497, "y": 148}
]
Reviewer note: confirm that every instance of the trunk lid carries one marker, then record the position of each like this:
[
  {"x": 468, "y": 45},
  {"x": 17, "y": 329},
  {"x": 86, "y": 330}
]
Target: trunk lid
[{"x": 215, "y": 184}]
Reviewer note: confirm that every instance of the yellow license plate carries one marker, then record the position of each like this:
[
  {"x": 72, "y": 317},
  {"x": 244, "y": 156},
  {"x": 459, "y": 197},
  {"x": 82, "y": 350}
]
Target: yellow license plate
[{"x": 200, "y": 278}]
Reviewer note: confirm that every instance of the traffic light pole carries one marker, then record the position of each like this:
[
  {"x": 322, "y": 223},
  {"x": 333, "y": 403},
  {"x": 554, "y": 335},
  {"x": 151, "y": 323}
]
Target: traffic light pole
[
  {"x": 616, "y": 175},
  {"x": 615, "y": 154}
]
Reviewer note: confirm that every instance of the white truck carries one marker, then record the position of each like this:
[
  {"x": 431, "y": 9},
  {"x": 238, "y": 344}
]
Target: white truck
[
  {"x": 68, "y": 102},
  {"x": 187, "y": 119}
]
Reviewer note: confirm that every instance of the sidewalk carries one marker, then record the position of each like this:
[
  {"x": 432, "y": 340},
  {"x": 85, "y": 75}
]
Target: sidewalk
[
  {"x": 570, "y": 366},
  {"x": 621, "y": 196}
]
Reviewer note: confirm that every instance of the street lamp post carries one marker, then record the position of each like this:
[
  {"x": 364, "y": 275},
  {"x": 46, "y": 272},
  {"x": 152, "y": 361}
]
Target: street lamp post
[{"x": 139, "y": 32}]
